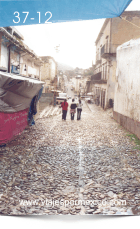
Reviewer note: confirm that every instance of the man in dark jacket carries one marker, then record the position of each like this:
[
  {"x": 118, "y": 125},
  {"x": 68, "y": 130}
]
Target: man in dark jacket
[
  {"x": 64, "y": 106},
  {"x": 73, "y": 109}
]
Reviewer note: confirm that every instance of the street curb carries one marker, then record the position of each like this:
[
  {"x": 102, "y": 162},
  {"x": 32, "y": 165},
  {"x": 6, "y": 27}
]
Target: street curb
[{"x": 88, "y": 106}]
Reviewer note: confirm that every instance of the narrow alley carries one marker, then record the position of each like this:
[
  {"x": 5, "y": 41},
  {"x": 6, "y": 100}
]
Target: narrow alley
[{"x": 91, "y": 161}]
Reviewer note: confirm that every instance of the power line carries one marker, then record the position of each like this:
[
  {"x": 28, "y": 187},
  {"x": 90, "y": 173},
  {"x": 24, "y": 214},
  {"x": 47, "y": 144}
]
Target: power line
[{"x": 130, "y": 22}]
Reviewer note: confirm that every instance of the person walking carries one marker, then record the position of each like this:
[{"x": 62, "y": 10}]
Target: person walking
[
  {"x": 73, "y": 109},
  {"x": 64, "y": 106},
  {"x": 79, "y": 110}
]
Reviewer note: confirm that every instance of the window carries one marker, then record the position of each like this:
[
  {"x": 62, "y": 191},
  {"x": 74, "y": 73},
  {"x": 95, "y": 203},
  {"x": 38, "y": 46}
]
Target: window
[
  {"x": 106, "y": 71},
  {"x": 107, "y": 44},
  {"x": 103, "y": 72},
  {"x": 100, "y": 52}
]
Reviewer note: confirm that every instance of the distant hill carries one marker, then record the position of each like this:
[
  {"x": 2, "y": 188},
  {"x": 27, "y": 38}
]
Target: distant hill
[{"x": 64, "y": 67}]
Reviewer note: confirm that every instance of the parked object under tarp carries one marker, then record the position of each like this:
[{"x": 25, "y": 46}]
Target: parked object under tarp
[
  {"x": 12, "y": 124},
  {"x": 16, "y": 92}
]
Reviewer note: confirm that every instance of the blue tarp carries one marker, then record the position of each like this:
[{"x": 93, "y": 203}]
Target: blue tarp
[{"x": 19, "y": 12}]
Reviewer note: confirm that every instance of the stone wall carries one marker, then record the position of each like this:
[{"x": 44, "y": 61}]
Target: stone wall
[
  {"x": 46, "y": 98},
  {"x": 127, "y": 89}
]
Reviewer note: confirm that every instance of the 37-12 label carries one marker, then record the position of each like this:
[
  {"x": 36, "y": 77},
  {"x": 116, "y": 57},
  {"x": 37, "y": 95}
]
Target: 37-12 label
[{"x": 17, "y": 18}]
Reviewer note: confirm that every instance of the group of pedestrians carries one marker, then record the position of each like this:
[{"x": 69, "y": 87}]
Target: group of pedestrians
[{"x": 73, "y": 107}]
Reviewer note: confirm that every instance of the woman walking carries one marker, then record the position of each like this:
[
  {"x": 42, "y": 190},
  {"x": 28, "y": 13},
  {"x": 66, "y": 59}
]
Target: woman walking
[
  {"x": 79, "y": 110},
  {"x": 64, "y": 106},
  {"x": 73, "y": 109}
]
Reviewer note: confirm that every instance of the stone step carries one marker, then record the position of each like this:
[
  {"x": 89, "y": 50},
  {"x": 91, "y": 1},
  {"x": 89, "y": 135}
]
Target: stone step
[
  {"x": 54, "y": 111},
  {"x": 44, "y": 112},
  {"x": 49, "y": 112}
]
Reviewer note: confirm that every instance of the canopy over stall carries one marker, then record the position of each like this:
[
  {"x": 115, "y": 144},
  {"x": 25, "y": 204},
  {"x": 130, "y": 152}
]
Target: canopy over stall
[
  {"x": 21, "y": 12},
  {"x": 16, "y": 95},
  {"x": 16, "y": 92}
]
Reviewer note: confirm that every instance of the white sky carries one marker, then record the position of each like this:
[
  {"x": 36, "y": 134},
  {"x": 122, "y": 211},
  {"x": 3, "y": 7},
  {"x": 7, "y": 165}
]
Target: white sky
[{"x": 76, "y": 39}]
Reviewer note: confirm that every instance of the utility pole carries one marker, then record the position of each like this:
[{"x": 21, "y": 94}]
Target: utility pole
[{"x": 55, "y": 86}]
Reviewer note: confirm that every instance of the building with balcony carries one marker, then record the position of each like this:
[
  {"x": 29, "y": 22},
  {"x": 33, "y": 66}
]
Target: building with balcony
[
  {"x": 15, "y": 56},
  {"x": 114, "y": 32}
]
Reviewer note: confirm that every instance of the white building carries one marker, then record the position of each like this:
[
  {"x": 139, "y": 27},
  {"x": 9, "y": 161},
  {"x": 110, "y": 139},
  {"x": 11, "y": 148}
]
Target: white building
[
  {"x": 49, "y": 73},
  {"x": 15, "y": 56},
  {"x": 127, "y": 89}
]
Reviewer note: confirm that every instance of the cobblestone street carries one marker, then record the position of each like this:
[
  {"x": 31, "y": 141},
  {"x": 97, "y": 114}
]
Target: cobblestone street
[{"x": 90, "y": 159}]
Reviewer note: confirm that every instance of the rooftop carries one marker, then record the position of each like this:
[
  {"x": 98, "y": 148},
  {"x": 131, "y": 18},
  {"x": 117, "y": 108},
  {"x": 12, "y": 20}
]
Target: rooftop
[
  {"x": 46, "y": 58},
  {"x": 124, "y": 14},
  {"x": 15, "y": 38},
  {"x": 13, "y": 31}
]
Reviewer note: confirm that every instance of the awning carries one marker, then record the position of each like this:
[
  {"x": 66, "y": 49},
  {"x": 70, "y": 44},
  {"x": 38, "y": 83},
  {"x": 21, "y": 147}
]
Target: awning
[
  {"x": 97, "y": 76},
  {"x": 19, "y": 12},
  {"x": 16, "y": 92}
]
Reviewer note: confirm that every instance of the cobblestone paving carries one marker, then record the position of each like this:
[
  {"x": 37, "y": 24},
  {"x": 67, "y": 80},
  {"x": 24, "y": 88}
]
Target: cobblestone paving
[{"x": 83, "y": 167}]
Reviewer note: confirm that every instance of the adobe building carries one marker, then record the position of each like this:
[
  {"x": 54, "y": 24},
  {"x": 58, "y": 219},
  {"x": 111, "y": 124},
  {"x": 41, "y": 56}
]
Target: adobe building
[
  {"x": 114, "y": 32},
  {"x": 49, "y": 73},
  {"x": 15, "y": 56},
  {"x": 127, "y": 89}
]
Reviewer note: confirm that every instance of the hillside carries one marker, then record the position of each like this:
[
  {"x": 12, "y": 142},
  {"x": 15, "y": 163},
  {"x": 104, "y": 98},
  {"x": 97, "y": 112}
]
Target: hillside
[{"x": 64, "y": 67}]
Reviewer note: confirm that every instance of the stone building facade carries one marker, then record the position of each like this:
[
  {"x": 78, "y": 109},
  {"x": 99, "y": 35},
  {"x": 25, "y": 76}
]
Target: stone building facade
[
  {"x": 49, "y": 73},
  {"x": 15, "y": 56},
  {"x": 114, "y": 32}
]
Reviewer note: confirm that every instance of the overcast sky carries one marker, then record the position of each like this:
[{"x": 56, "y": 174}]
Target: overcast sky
[{"x": 76, "y": 39}]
